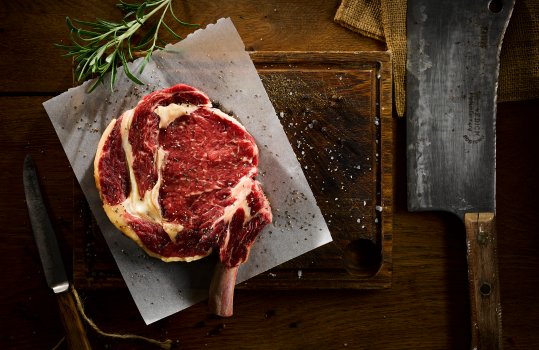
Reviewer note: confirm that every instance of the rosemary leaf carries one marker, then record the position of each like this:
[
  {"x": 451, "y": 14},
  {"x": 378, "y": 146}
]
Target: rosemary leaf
[{"x": 171, "y": 31}]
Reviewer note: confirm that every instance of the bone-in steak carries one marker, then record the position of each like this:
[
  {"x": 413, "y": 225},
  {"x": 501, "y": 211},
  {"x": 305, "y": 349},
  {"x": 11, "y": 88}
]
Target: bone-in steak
[{"x": 178, "y": 177}]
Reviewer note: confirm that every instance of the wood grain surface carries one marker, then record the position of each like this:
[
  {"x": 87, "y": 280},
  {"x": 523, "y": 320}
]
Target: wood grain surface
[{"x": 427, "y": 306}]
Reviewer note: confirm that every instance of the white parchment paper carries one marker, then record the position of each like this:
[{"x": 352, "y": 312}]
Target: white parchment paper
[{"x": 213, "y": 60}]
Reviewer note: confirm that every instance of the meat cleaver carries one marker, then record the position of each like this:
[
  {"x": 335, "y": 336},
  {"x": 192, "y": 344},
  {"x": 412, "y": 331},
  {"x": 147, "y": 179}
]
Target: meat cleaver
[{"x": 452, "y": 71}]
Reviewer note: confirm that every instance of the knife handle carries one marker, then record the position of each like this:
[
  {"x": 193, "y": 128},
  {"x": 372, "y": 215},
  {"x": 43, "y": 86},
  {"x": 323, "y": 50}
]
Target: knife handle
[
  {"x": 76, "y": 337},
  {"x": 483, "y": 279}
]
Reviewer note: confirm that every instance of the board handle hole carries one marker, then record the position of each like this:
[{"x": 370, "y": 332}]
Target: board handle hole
[
  {"x": 495, "y": 6},
  {"x": 362, "y": 257}
]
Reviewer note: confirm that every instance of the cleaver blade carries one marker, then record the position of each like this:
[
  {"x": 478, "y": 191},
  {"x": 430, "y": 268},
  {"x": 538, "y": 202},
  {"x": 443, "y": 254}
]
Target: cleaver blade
[{"x": 452, "y": 70}]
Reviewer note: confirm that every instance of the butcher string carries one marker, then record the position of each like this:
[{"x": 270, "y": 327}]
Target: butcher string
[
  {"x": 57, "y": 346},
  {"x": 165, "y": 344}
]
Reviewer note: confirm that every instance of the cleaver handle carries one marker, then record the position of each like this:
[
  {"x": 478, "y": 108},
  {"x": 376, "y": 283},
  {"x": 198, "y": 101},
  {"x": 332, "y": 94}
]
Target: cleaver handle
[
  {"x": 483, "y": 279},
  {"x": 76, "y": 337}
]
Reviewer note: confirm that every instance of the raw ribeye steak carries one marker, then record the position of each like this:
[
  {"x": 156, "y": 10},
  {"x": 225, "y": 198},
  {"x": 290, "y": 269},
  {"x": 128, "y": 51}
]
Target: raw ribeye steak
[{"x": 178, "y": 177}]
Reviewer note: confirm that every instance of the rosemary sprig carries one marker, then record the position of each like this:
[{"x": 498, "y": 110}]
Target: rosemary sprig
[{"x": 100, "y": 47}]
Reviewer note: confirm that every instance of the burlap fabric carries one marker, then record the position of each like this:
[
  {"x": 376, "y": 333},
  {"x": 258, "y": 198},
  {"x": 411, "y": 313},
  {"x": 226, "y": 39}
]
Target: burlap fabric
[{"x": 385, "y": 20}]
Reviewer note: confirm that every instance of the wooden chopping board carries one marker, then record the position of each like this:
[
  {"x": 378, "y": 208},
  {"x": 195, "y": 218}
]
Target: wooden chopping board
[{"x": 336, "y": 109}]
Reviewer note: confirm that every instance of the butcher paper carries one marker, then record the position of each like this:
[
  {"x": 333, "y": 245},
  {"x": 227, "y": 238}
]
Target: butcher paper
[{"x": 213, "y": 60}]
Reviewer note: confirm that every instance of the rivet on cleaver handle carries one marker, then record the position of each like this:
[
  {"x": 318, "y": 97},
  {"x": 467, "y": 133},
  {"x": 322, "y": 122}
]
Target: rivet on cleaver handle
[
  {"x": 452, "y": 70},
  {"x": 51, "y": 259}
]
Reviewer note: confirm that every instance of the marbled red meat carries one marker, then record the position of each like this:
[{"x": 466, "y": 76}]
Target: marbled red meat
[{"x": 178, "y": 177}]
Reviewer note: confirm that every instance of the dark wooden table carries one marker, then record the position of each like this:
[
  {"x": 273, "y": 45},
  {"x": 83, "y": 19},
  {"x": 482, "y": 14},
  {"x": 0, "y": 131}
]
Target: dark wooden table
[{"x": 427, "y": 306}]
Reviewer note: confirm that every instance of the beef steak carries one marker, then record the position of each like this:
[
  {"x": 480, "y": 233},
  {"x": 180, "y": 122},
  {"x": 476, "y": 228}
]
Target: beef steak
[{"x": 178, "y": 177}]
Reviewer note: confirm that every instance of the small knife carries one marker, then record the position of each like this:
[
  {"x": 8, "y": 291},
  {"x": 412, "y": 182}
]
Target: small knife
[{"x": 51, "y": 259}]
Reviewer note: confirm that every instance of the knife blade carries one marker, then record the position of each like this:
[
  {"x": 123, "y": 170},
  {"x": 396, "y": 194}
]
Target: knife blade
[
  {"x": 452, "y": 70},
  {"x": 51, "y": 258}
]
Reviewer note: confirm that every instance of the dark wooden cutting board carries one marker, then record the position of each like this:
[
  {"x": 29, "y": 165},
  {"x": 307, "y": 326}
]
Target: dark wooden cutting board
[{"x": 336, "y": 109}]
